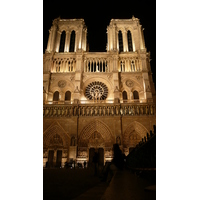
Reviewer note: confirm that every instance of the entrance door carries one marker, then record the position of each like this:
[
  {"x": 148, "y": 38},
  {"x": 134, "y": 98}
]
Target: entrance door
[
  {"x": 101, "y": 156},
  {"x": 59, "y": 158},
  {"x": 50, "y": 158},
  {"x": 91, "y": 155}
]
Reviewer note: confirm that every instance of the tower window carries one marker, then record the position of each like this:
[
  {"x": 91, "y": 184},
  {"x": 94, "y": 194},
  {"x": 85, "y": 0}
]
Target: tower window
[
  {"x": 130, "y": 46},
  {"x": 67, "y": 96},
  {"x": 135, "y": 95},
  {"x": 124, "y": 93},
  {"x": 120, "y": 41},
  {"x": 62, "y": 42},
  {"x": 56, "y": 96}
]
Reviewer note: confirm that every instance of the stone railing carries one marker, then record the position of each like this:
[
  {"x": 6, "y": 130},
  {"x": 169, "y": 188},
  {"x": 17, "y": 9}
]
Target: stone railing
[
  {"x": 64, "y": 64},
  {"x": 98, "y": 110},
  {"x": 98, "y": 62}
]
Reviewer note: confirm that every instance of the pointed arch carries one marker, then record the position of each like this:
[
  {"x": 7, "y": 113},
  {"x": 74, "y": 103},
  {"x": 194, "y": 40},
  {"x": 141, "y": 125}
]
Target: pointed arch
[
  {"x": 67, "y": 96},
  {"x": 124, "y": 95},
  {"x": 62, "y": 42},
  {"x": 133, "y": 134},
  {"x": 120, "y": 41},
  {"x": 56, "y": 96},
  {"x": 129, "y": 37},
  {"x": 56, "y": 133},
  {"x": 135, "y": 94},
  {"x": 99, "y": 127}
]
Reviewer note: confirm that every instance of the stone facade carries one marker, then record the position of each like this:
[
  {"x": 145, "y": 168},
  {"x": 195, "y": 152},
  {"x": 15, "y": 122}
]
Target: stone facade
[{"x": 95, "y": 99}]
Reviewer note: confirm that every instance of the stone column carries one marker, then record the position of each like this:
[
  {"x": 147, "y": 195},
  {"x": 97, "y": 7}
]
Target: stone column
[
  {"x": 57, "y": 43},
  {"x": 76, "y": 41},
  {"x": 67, "y": 40},
  {"x": 140, "y": 37},
  {"x": 114, "y": 38},
  {"x": 52, "y": 41},
  {"x": 49, "y": 40},
  {"x": 108, "y": 39},
  {"x": 133, "y": 41},
  {"x": 80, "y": 37},
  {"x": 125, "y": 43}
]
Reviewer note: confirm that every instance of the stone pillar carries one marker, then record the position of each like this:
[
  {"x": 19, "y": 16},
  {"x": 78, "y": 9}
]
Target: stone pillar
[
  {"x": 140, "y": 37},
  {"x": 57, "y": 43},
  {"x": 125, "y": 43},
  {"x": 76, "y": 41},
  {"x": 49, "y": 40},
  {"x": 133, "y": 41},
  {"x": 52, "y": 41},
  {"x": 108, "y": 39},
  {"x": 80, "y": 37},
  {"x": 114, "y": 38},
  {"x": 67, "y": 40}
]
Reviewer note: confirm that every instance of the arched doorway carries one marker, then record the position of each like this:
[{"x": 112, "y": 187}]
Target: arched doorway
[
  {"x": 55, "y": 146},
  {"x": 97, "y": 137}
]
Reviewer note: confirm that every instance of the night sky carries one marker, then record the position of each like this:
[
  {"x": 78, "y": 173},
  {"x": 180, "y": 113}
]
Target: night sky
[{"x": 97, "y": 16}]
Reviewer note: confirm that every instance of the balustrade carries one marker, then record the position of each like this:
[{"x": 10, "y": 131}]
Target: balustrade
[
  {"x": 64, "y": 65},
  {"x": 97, "y": 110},
  {"x": 129, "y": 65},
  {"x": 96, "y": 65}
]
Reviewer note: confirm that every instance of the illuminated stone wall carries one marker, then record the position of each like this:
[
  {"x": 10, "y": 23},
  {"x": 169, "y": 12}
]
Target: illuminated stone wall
[{"x": 89, "y": 97}]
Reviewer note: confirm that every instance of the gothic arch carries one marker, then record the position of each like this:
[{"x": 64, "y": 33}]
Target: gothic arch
[
  {"x": 133, "y": 134},
  {"x": 96, "y": 126},
  {"x": 56, "y": 130}
]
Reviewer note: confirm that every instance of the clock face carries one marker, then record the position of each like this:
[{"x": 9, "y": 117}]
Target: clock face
[{"x": 96, "y": 90}]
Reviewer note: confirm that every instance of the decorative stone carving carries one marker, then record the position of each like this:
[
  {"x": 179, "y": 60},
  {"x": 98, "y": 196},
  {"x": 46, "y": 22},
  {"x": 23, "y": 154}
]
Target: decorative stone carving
[
  {"x": 129, "y": 83},
  {"x": 62, "y": 83},
  {"x": 56, "y": 140}
]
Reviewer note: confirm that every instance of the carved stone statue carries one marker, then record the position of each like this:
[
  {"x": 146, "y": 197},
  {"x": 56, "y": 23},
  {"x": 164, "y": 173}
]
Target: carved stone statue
[
  {"x": 141, "y": 110},
  {"x": 151, "y": 110},
  {"x": 104, "y": 111},
  {"x": 138, "y": 110},
  {"x": 83, "y": 111},
  {"x": 88, "y": 111},
  {"x": 108, "y": 110},
  {"x": 147, "y": 110},
  {"x": 133, "y": 110},
  {"x": 54, "y": 110},
  {"x": 91, "y": 111},
  {"x": 100, "y": 111},
  {"x": 112, "y": 110},
  {"x": 75, "y": 110},
  {"x": 96, "y": 110},
  {"x": 117, "y": 110},
  {"x": 125, "y": 110},
  {"x": 129, "y": 110}
]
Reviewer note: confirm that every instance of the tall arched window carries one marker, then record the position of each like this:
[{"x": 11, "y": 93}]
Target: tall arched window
[
  {"x": 67, "y": 96},
  {"x": 72, "y": 42},
  {"x": 120, "y": 41},
  {"x": 130, "y": 46},
  {"x": 56, "y": 96},
  {"x": 135, "y": 95},
  {"x": 124, "y": 94},
  {"x": 62, "y": 42}
]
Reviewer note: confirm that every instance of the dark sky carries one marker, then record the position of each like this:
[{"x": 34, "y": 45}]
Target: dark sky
[{"x": 97, "y": 16}]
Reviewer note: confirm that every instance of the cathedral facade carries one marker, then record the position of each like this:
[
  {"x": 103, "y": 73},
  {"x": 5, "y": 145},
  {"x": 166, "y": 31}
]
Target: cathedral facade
[{"x": 93, "y": 100}]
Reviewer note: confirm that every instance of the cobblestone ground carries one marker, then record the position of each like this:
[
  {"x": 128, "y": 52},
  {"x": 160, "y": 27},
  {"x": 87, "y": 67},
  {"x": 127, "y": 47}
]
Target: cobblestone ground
[{"x": 67, "y": 183}]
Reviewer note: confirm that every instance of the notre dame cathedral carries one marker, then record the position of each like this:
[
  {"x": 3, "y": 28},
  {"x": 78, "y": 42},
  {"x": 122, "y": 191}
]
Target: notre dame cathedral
[{"x": 93, "y": 100}]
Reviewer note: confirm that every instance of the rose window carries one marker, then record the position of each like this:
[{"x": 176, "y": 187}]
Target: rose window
[{"x": 96, "y": 90}]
